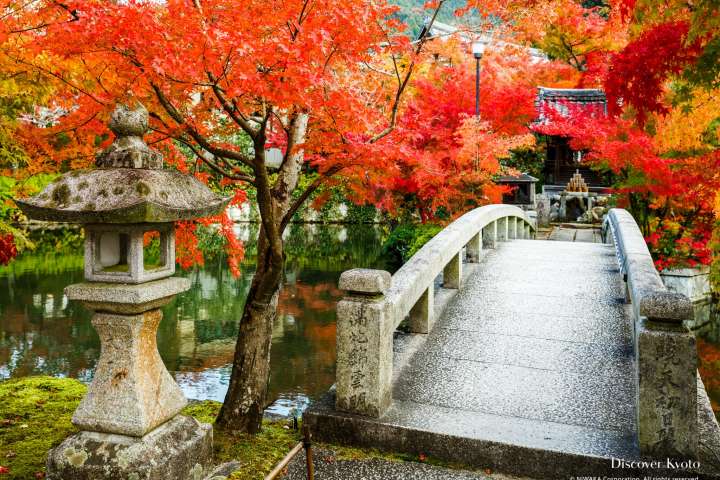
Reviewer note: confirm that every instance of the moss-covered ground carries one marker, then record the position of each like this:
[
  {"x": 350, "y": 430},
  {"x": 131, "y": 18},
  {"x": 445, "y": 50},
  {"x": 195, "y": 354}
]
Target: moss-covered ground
[
  {"x": 258, "y": 454},
  {"x": 35, "y": 415}
]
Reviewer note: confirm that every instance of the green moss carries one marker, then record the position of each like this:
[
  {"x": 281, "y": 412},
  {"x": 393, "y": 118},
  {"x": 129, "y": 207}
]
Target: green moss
[
  {"x": 258, "y": 454},
  {"x": 35, "y": 416},
  {"x": 83, "y": 185},
  {"x": 118, "y": 190},
  {"x": 142, "y": 189},
  {"x": 61, "y": 194}
]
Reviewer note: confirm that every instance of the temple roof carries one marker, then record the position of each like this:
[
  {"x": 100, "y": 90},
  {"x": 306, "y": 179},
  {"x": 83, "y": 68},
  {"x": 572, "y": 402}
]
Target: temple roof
[{"x": 564, "y": 100}]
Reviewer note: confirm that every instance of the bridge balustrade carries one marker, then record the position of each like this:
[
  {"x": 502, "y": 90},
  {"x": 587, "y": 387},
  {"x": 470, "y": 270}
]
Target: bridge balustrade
[
  {"x": 376, "y": 302},
  {"x": 665, "y": 351}
]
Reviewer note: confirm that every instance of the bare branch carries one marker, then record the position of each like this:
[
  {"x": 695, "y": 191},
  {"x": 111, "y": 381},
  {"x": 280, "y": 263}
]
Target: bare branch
[
  {"x": 309, "y": 190},
  {"x": 403, "y": 85},
  {"x": 73, "y": 14},
  {"x": 236, "y": 174},
  {"x": 377, "y": 70},
  {"x": 194, "y": 134},
  {"x": 231, "y": 108}
]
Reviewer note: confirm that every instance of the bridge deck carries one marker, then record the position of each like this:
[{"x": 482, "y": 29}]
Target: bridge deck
[
  {"x": 535, "y": 350},
  {"x": 529, "y": 369}
]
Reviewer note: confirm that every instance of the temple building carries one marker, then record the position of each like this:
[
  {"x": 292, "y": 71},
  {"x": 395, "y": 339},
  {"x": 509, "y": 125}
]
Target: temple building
[{"x": 562, "y": 164}]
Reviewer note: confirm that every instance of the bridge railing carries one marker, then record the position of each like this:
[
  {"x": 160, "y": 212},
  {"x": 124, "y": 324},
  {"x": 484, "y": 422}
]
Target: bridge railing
[
  {"x": 665, "y": 350},
  {"x": 376, "y": 302}
]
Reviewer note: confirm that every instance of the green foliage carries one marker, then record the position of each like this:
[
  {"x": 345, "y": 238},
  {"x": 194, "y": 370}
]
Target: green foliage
[
  {"x": 47, "y": 251},
  {"x": 257, "y": 453},
  {"x": 7, "y": 188},
  {"x": 715, "y": 265},
  {"x": 35, "y": 416},
  {"x": 210, "y": 242},
  {"x": 413, "y": 14},
  {"x": 527, "y": 160},
  {"x": 9, "y": 213},
  {"x": 706, "y": 72},
  {"x": 61, "y": 241},
  {"x": 603, "y": 6},
  {"x": 406, "y": 239},
  {"x": 360, "y": 213}
]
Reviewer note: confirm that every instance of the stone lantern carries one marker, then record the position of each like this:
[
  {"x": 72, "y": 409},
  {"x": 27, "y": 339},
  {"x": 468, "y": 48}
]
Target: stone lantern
[{"x": 129, "y": 419}]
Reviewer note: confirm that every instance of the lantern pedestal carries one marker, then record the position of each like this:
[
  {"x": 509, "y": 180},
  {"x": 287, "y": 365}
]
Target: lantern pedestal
[
  {"x": 129, "y": 417},
  {"x": 180, "y": 449}
]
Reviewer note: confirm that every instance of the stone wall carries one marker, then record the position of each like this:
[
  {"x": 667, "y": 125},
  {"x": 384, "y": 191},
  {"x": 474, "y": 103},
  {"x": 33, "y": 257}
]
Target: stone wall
[{"x": 335, "y": 212}]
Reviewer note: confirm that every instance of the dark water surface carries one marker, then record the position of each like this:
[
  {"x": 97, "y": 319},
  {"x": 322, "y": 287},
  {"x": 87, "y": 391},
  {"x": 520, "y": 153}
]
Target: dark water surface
[{"x": 41, "y": 332}]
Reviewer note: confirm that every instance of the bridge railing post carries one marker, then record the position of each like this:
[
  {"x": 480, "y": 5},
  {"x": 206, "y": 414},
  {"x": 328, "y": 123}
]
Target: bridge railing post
[
  {"x": 667, "y": 408},
  {"x": 364, "y": 343},
  {"x": 489, "y": 234},
  {"x": 667, "y": 389},
  {"x": 422, "y": 314},
  {"x": 502, "y": 230},
  {"x": 473, "y": 249},
  {"x": 452, "y": 273}
]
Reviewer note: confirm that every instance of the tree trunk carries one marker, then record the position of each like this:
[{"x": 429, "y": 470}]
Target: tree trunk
[{"x": 244, "y": 403}]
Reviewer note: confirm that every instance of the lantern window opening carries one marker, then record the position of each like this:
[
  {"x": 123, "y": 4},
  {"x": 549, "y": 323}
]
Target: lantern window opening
[{"x": 129, "y": 253}]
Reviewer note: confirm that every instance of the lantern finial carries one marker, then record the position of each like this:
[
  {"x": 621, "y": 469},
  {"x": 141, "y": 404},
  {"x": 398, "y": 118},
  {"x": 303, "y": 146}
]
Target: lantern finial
[{"x": 129, "y": 150}]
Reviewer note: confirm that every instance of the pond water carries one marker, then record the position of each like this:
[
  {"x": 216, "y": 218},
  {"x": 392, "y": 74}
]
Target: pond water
[{"x": 41, "y": 332}]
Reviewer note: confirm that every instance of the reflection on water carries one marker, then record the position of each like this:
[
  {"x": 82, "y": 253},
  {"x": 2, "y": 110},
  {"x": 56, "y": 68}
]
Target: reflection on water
[{"x": 42, "y": 333}]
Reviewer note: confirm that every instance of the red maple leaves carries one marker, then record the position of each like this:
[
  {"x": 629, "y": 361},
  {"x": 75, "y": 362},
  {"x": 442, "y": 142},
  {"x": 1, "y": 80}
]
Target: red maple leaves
[{"x": 638, "y": 74}]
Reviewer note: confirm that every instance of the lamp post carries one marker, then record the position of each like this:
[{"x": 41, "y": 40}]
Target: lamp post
[{"x": 478, "y": 49}]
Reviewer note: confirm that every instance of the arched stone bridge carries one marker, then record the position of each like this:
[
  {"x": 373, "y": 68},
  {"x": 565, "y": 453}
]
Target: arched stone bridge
[{"x": 540, "y": 358}]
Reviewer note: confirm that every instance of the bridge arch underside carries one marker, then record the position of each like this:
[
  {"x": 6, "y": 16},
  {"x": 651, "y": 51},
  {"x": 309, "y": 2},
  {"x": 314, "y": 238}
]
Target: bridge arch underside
[{"x": 529, "y": 369}]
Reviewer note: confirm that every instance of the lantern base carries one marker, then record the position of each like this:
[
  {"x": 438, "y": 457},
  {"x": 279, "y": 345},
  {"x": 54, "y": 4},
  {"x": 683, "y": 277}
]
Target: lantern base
[{"x": 180, "y": 449}]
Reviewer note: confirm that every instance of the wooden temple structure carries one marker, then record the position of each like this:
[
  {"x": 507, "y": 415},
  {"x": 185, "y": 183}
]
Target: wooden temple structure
[{"x": 562, "y": 164}]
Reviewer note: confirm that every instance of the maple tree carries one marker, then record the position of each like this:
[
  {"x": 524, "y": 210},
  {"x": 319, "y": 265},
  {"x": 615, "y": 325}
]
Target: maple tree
[
  {"x": 660, "y": 139},
  {"x": 350, "y": 100},
  {"x": 448, "y": 158},
  {"x": 224, "y": 80}
]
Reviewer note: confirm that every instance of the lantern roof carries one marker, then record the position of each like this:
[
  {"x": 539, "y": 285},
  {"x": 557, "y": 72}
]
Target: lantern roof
[{"x": 129, "y": 184}]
